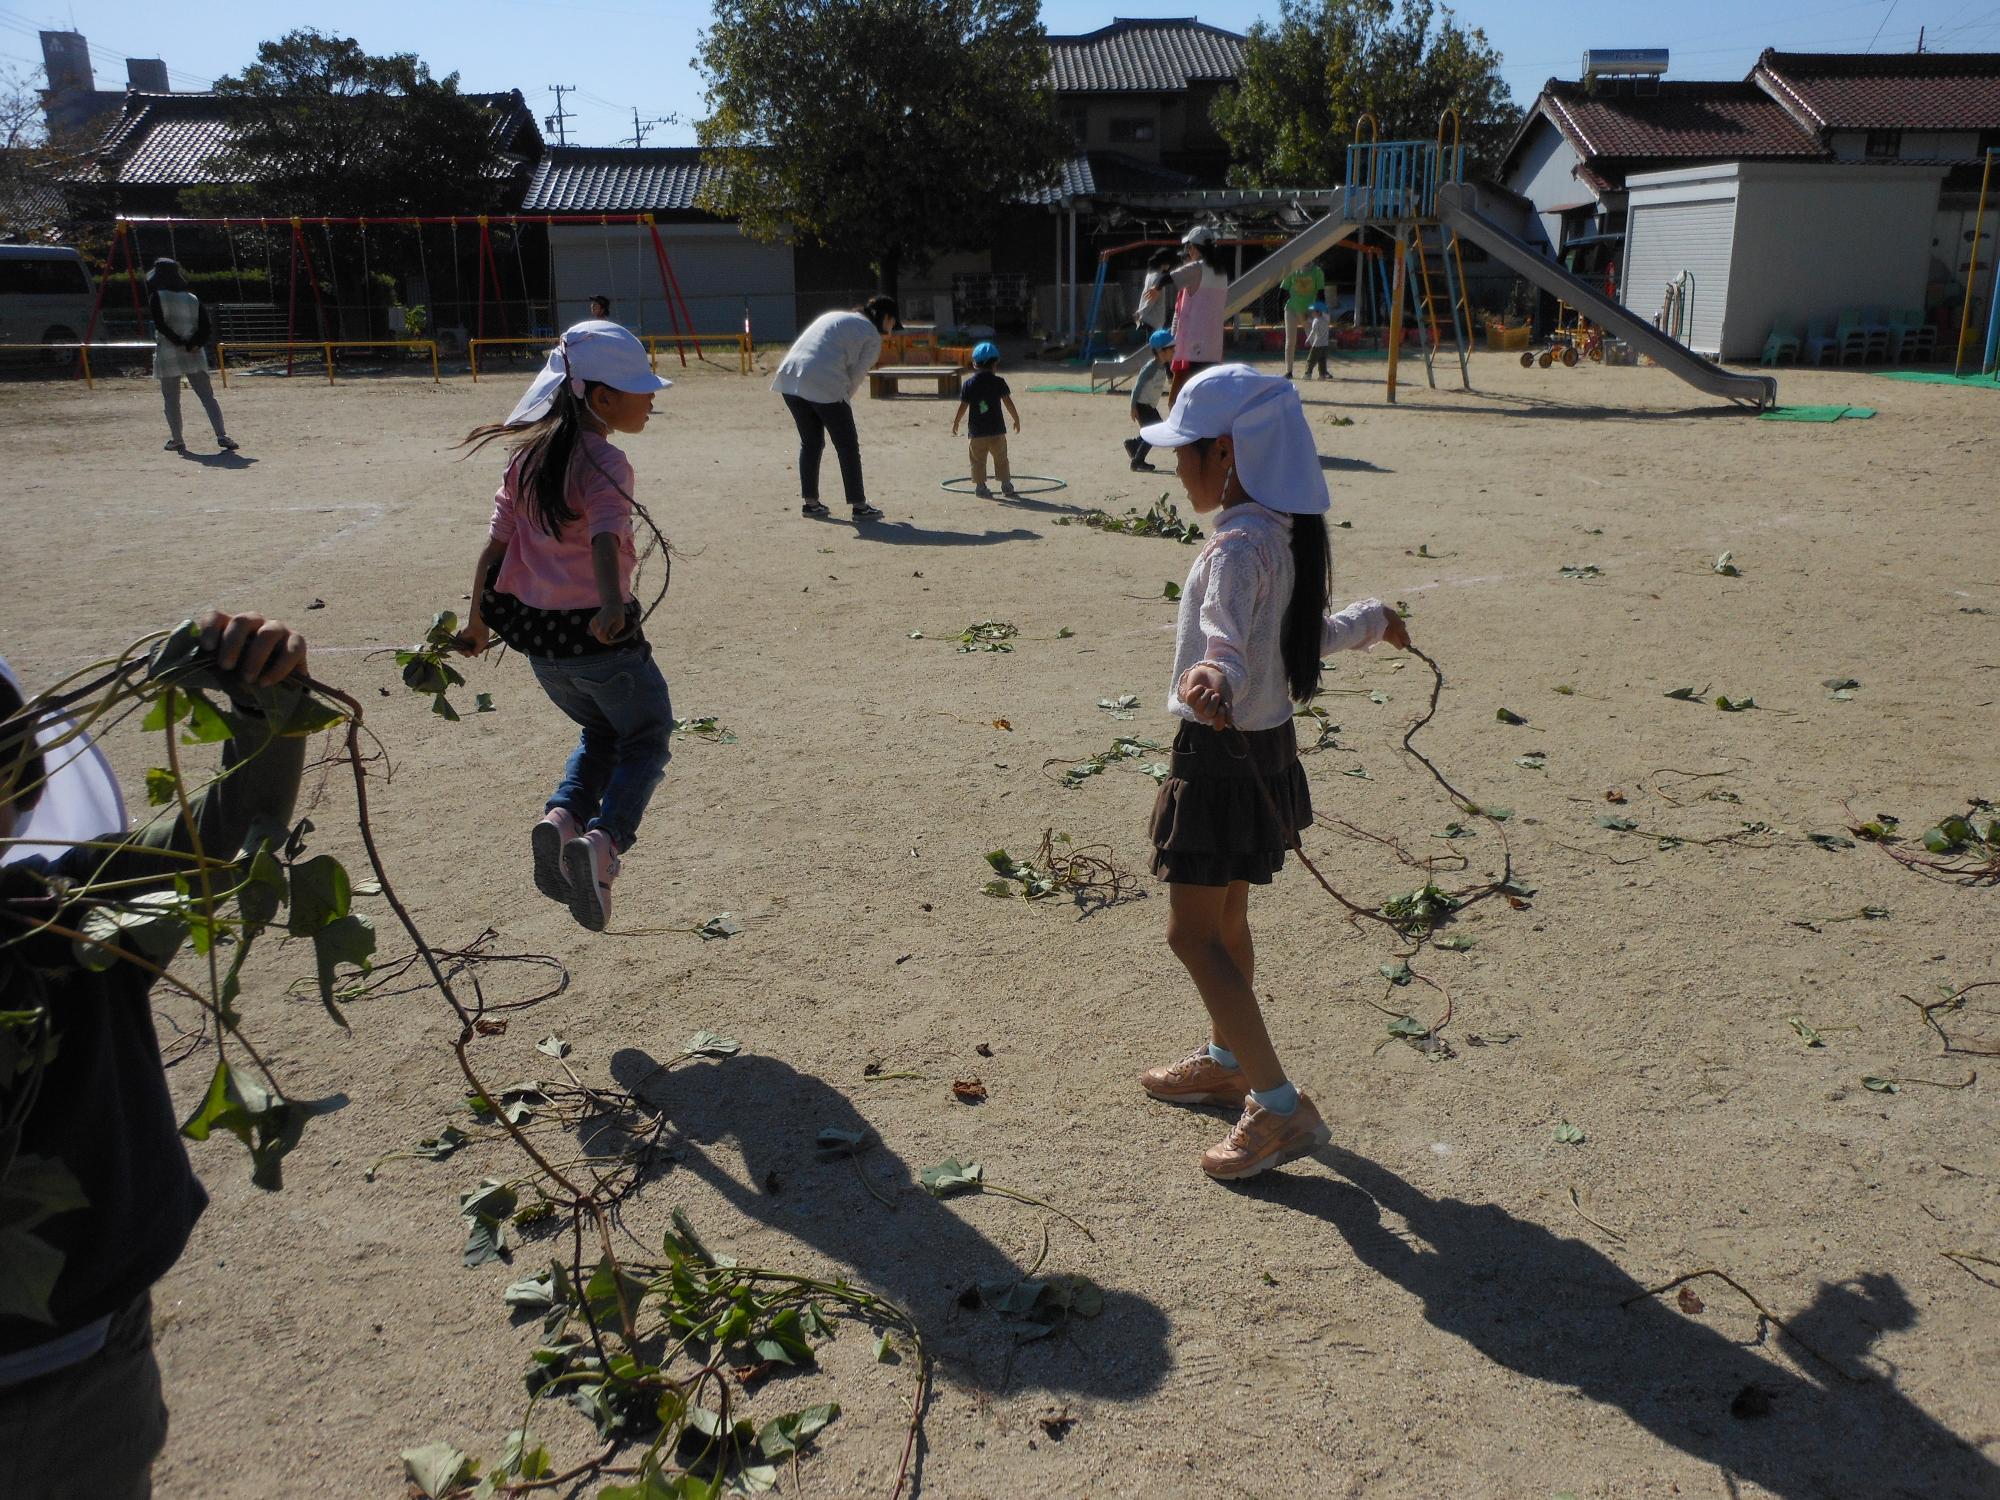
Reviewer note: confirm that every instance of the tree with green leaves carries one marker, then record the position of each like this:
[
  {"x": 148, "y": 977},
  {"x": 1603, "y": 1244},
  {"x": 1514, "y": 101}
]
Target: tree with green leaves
[
  {"x": 894, "y": 129},
  {"x": 321, "y": 127},
  {"x": 1310, "y": 76}
]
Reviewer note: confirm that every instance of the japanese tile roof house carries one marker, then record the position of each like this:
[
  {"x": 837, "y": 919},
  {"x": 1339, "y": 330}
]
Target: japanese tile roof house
[
  {"x": 158, "y": 145},
  {"x": 1581, "y": 140},
  {"x": 1819, "y": 184}
]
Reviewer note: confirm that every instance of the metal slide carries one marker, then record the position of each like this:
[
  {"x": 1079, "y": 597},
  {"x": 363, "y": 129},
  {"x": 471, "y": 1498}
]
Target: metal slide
[
  {"x": 1308, "y": 244},
  {"x": 1457, "y": 214}
]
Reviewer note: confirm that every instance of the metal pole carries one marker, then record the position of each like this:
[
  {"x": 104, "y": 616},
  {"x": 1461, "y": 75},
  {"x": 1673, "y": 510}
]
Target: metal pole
[
  {"x": 1972, "y": 270},
  {"x": 1072, "y": 274},
  {"x": 1396, "y": 310}
]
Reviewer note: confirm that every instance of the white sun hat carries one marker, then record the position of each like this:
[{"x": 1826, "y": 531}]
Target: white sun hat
[
  {"x": 596, "y": 350},
  {"x": 1276, "y": 458},
  {"x": 79, "y": 801}
]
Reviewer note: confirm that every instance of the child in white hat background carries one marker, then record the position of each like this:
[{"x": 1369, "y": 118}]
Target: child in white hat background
[
  {"x": 554, "y": 581},
  {"x": 1253, "y": 626}
]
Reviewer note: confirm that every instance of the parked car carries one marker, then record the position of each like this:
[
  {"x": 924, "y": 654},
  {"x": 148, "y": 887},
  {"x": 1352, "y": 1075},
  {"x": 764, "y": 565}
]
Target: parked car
[{"x": 45, "y": 295}]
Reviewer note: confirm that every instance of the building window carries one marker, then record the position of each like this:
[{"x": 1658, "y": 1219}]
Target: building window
[
  {"x": 1884, "y": 144},
  {"x": 1131, "y": 130}
]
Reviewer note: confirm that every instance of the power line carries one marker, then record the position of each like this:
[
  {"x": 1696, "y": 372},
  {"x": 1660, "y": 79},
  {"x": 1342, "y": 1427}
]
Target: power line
[{"x": 1885, "y": 21}]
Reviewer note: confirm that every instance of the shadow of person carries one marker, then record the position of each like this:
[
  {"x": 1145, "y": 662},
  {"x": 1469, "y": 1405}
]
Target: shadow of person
[
  {"x": 903, "y": 534},
  {"x": 1351, "y": 465},
  {"x": 922, "y": 1254},
  {"x": 1549, "y": 1308},
  {"x": 225, "y": 460}
]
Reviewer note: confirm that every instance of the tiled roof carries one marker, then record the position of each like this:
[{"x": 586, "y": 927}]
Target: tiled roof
[
  {"x": 1901, "y": 91},
  {"x": 618, "y": 180},
  {"x": 1096, "y": 173},
  {"x": 1682, "y": 121},
  {"x": 168, "y": 140},
  {"x": 1144, "y": 57}
]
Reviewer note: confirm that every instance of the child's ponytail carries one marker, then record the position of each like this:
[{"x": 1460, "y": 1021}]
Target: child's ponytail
[
  {"x": 1312, "y": 582},
  {"x": 543, "y": 451}
]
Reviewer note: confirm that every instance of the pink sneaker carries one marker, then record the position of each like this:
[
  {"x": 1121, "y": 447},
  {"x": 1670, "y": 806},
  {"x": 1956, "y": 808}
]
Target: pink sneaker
[
  {"x": 557, "y": 827},
  {"x": 1261, "y": 1140},
  {"x": 591, "y": 864},
  {"x": 1199, "y": 1079}
]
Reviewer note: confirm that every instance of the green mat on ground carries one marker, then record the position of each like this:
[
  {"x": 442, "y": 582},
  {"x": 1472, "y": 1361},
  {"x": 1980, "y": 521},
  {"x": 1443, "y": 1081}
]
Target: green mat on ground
[
  {"x": 1816, "y": 413},
  {"x": 1072, "y": 390},
  {"x": 1938, "y": 377}
]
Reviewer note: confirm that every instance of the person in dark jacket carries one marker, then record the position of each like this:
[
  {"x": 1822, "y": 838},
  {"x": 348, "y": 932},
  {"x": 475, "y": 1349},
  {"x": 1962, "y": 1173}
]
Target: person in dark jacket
[
  {"x": 97, "y": 1197},
  {"x": 181, "y": 336}
]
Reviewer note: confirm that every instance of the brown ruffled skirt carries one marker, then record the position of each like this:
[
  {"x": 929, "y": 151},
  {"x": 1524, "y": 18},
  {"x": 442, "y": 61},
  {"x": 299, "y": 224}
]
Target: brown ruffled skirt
[{"x": 1231, "y": 808}]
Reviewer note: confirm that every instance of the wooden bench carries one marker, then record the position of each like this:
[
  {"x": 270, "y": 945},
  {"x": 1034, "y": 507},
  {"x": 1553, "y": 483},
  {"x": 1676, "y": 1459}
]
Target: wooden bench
[{"x": 883, "y": 381}]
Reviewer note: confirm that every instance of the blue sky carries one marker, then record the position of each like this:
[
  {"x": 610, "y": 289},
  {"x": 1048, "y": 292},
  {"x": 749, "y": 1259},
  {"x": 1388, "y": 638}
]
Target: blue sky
[{"x": 627, "y": 54}]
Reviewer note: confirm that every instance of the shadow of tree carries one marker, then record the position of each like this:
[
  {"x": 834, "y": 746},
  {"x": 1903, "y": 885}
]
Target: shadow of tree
[
  {"x": 1549, "y": 1308},
  {"x": 921, "y": 1254}
]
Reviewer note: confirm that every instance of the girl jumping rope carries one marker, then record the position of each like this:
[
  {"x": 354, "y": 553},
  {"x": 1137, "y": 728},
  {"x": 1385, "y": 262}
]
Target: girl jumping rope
[
  {"x": 1253, "y": 626},
  {"x": 554, "y": 581}
]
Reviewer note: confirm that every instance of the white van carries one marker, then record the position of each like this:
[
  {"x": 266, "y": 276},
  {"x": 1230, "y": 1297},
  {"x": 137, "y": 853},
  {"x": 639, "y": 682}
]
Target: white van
[{"x": 45, "y": 295}]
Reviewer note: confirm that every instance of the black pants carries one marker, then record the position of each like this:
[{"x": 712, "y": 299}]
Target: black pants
[
  {"x": 1140, "y": 447},
  {"x": 817, "y": 420},
  {"x": 1316, "y": 360}
]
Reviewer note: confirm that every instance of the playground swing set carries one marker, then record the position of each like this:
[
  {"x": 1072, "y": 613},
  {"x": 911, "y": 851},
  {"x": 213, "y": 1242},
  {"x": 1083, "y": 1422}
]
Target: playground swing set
[{"x": 301, "y": 264}]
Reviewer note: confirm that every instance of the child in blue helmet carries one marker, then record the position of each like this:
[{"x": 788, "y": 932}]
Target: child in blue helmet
[
  {"x": 983, "y": 396},
  {"x": 1147, "y": 391},
  {"x": 1319, "y": 333}
]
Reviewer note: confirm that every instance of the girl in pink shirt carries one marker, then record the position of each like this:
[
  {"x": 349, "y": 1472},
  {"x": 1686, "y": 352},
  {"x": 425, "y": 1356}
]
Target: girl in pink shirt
[{"x": 554, "y": 581}]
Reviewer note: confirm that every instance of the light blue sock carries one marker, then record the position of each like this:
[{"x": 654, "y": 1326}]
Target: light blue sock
[
  {"x": 1281, "y": 1100},
  {"x": 1222, "y": 1055}
]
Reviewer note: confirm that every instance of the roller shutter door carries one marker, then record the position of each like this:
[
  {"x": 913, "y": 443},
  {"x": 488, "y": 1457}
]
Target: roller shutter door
[{"x": 1664, "y": 239}]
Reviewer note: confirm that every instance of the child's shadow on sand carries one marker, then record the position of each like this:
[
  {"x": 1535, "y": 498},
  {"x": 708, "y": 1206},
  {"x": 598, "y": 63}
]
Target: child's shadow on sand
[
  {"x": 1548, "y": 1308},
  {"x": 922, "y": 1254}
]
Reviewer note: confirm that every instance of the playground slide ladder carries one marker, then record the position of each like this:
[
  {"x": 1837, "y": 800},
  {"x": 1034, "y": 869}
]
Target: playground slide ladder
[
  {"x": 1456, "y": 213},
  {"x": 1307, "y": 245}
]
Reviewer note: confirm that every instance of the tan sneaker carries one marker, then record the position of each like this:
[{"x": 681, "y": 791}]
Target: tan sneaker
[
  {"x": 1261, "y": 1140},
  {"x": 1196, "y": 1080}
]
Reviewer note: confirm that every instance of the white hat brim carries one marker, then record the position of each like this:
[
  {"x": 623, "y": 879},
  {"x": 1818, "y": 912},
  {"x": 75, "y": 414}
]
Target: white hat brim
[{"x": 80, "y": 800}]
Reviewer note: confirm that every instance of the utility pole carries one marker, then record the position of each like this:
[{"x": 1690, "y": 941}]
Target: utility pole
[
  {"x": 641, "y": 127},
  {"x": 557, "y": 120},
  {"x": 1920, "y": 38}
]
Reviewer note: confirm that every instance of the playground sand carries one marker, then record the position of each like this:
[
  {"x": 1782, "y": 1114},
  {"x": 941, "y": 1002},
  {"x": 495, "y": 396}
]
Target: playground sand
[{"x": 1459, "y": 1332}]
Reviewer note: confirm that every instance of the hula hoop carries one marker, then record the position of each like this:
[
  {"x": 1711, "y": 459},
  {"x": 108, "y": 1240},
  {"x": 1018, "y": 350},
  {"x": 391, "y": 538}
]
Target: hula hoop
[{"x": 963, "y": 484}]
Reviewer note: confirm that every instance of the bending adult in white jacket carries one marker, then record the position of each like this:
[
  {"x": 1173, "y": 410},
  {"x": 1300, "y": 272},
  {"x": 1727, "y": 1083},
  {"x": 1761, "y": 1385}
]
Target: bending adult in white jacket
[{"x": 818, "y": 378}]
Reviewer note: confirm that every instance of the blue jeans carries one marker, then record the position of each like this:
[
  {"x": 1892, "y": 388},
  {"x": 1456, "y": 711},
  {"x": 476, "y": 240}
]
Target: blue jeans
[{"x": 619, "y": 699}]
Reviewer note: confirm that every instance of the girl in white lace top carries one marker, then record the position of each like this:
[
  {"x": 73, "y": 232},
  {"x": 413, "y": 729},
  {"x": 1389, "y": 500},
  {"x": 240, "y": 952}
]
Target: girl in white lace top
[{"x": 1253, "y": 625}]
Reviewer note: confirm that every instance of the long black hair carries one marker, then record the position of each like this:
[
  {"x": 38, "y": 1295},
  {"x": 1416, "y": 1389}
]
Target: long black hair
[
  {"x": 543, "y": 451},
  {"x": 1300, "y": 634},
  {"x": 1312, "y": 581}
]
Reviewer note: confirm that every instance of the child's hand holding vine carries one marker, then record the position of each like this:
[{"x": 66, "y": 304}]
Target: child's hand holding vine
[
  {"x": 1397, "y": 632},
  {"x": 474, "y": 639},
  {"x": 1204, "y": 689},
  {"x": 609, "y": 622}
]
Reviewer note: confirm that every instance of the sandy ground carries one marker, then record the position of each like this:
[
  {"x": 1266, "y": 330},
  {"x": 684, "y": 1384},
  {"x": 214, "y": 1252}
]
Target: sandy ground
[{"x": 1423, "y": 1311}]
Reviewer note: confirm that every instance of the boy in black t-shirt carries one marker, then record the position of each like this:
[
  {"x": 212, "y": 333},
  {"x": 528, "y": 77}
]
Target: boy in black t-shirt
[{"x": 983, "y": 396}]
